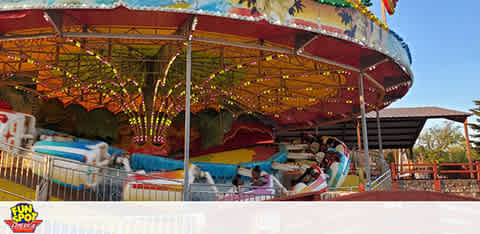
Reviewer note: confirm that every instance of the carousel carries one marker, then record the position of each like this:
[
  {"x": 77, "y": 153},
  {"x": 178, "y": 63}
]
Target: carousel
[{"x": 164, "y": 87}]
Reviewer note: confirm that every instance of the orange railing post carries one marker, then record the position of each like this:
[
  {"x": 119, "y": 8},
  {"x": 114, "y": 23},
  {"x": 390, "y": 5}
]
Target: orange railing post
[
  {"x": 435, "y": 171},
  {"x": 436, "y": 183},
  {"x": 477, "y": 167},
  {"x": 393, "y": 170},
  {"x": 472, "y": 174}
]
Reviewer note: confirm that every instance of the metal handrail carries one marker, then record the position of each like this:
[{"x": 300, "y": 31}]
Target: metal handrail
[
  {"x": 15, "y": 195},
  {"x": 379, "y": 182},
  {"x": 65, "y": 174},
  {"x": 229, "y": 190},
  {"x": 386, "y": 174},
  {"x": 232, "y": 186},
  {"x": 435, "y": 170},
  {"x": 55, "y": 158},
  {"x": 340, "y": 189}
]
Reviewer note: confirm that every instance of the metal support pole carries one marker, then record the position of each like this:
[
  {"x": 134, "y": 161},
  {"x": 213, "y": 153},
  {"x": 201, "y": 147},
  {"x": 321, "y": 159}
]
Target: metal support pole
[
  {"x": 358, "y": 156},
  {"x": 380, "y": 141},
  {"x": 186, "y": 163},
  {"x": 412, "y": 156},
  {"x": 364, "y": 132},
  {"x": 359, "y": 137}
]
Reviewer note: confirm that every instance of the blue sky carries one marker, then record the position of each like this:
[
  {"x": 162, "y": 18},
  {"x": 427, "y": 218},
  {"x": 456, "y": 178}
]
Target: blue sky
[{"x": 443, "y": 38}]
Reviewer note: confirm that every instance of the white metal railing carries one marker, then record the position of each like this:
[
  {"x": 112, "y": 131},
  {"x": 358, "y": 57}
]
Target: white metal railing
[
  {"x": 346, "y": 188},
  {"x": 71, "y": 180},
  {"x": 382, "y": 181},
  {"x": 75, "y": 181},
  {"x": 333, "y": 194},
  {"x": 47, "y": 177},
  {"x": 225, "y": 192}
]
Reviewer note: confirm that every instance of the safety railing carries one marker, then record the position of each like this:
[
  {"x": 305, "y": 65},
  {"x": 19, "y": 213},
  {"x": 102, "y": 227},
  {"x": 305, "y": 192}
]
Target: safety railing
[
  {"x": 383, "y": 182},
  {"x": 435, "y": 172},
  {"x": 344, "y": 189},
  {"x": 42, "y": 177},
  {"x": 19, "y": 171},
  {"x": 32, "y": 176},
  {"x": 225, "y": 192}
]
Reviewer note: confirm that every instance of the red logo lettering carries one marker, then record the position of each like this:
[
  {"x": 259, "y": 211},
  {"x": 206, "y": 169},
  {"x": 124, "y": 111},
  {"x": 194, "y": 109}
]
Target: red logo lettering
[{"x": 23, "y": 227}]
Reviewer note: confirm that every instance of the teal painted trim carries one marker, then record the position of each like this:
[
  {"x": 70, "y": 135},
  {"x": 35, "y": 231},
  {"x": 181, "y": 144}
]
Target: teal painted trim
[{"x": 62, "y": 154}]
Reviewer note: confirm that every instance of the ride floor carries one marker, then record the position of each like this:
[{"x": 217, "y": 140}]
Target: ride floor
[{"x": 17, "y": 189}]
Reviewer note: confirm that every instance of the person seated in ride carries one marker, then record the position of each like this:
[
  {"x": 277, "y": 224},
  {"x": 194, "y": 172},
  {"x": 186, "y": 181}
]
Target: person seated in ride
[
  {"x": 330, "y": 157},
  {"x": 257, "y": 178},
  {"x": 331, "y": 143},
  {"x": 121, "y": 160},
  {"x": 237, "y": 182},
  {"x": 307, "y": 179},
  {"x": 334, "y": 143},
  {"x": 323, "y": 147},
  {"x": 315, "y": 149},
  {"x": 304, "y": 177}
]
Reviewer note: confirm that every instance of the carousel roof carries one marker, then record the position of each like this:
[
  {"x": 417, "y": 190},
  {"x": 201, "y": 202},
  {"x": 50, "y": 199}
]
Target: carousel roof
[{"x": 298, "y": 64}]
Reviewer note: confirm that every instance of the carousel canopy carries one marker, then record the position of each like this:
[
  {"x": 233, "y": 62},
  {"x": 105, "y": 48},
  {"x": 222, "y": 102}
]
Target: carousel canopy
[{"x": 296, "y": 62}]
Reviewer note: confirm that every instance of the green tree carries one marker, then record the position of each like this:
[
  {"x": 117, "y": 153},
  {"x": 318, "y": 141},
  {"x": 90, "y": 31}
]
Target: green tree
[
  {"x": 444, "y": 143},
  {"x": 476, "y": 127}
]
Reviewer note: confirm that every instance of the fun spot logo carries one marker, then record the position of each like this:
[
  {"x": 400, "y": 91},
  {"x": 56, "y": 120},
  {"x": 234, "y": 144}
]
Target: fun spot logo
[{"x": 23, "y": 218}]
